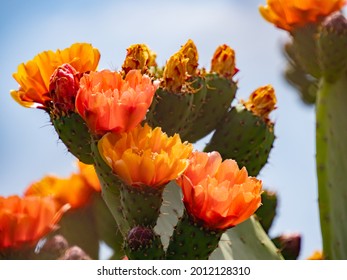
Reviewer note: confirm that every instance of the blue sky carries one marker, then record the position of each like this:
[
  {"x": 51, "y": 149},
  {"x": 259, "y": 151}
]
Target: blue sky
[{"x": 29, "y": 146}]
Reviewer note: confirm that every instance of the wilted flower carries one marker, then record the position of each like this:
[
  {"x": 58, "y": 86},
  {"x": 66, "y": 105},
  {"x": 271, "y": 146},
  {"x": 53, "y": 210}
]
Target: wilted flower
[
  {"x": 145, "y": 156},
  {"x": 218, "y": 194},
  {"x": 34, "y": 76},
  {"x": 139, "y": 56},
  {"x": 107, "y": 102},
  {"x": 262, "y": 102},
  {"x": 223, "y": 62}
]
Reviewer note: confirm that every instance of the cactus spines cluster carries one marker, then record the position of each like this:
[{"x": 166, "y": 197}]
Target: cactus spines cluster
[
  {"x": 142, "y": 243},
  {"x": 191, "y": 241},
  {"x": 245, "y": 134}
]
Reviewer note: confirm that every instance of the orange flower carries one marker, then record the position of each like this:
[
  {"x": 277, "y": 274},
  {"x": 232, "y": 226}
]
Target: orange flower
[
  {"x": 24, "y": 221},
  {"x": 218, "y": 194},
  {"x": 75, "y": 190},
  {"x": 289, "y": 14},
  {"x": 34, "y": 76},
  {"x": 144, "y": 156},
  {"x": 109, "y": 103}
]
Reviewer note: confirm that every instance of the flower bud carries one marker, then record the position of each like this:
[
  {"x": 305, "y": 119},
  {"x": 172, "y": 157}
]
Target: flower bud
[{"x": 63, "y": 87}]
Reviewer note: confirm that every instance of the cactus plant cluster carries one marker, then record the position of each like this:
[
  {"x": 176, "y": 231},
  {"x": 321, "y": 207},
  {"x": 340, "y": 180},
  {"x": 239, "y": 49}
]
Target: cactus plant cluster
[{"x": 156, "y": 196}]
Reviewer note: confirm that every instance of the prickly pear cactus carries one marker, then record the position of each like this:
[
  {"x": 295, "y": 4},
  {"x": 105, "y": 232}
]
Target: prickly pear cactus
[
  {"x": 243, "y": 137},
  {"x": 74, "y": 133}
]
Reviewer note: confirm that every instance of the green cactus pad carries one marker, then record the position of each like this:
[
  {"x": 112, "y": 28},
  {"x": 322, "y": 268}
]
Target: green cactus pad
[
  {"x": 305, "y": 48},
  {"x": 267, "y": 212},
  {"x": 142, "y": 243},
  {"x": 74, "y": 133},
  {"x": 107, "y": 227},
  {"x": 220, "y": 92},
  {"x": 243, "y": 137},
  {"x": 141, "y": 204},
  {"x": 331, "y": 153},
  {"x": 110, "y": 189},
  {"x": 174, "y": 112},
  {"x": 191, "y": 241}
]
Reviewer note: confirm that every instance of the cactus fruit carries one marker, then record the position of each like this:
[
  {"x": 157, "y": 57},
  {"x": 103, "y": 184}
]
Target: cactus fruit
[
  {"x": 267, "y": 212},
  {"x": 289, "y": 244},
  {"x": 141, "y": 204},
  {"x": 244, "y": 137},
  {"x": 142, "y": 243},
  {"x": 191, "y": 241},
  {"x": 74, "y": 133}
]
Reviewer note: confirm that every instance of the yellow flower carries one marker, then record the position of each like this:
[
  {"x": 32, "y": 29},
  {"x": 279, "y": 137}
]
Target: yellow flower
[
  {"x": 317, "y": 255},
  {"x": 145, "y": 156},
  {"x": 262, "y": 102},
  {"x": 34, "y": 76},
  {"x": 289, "y": 14}
]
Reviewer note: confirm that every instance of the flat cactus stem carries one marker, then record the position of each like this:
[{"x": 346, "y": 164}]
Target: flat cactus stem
[
  {"x": 143, "y": 243},
  {"x": 107, "y": 227},
  {"x": 247, "y": 241},
  {"x": 74, "y": 133},
  {"x": 141, "y": 204},
  {"x": 267, "y": 212},
  {"x": 175, "y": 112},
  {"x": 245, "y": 138},
  {"x": 79, "y": 228},
  {"x": 305, "y": 48},
  {"x": 220, "y": 92},
  {"x": 110, "y": 189},
  {"x": 191, "y": 241},
  {"x": 331, "y": 153}
]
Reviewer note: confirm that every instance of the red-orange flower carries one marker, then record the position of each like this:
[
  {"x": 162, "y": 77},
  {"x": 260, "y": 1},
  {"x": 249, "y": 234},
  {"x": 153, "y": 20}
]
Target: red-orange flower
[
  {"x": 145, "y": 156},
  {"x": 218, "y": 194},
  {"x": 33, "y": 76},
  {"x": 107, "y": 102},
  {"x": 75, "y": 190},
  {"x": 289, "y": 14},
  {"x": 24, "y": 221}
]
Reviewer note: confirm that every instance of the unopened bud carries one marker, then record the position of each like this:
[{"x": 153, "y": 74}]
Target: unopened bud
[
  {"x": 223, "y": 62},
  {"x": 140, "y": 237},
  {"x": 54, "y": 247},
  {"x": 289, "y": 244},
  {"x": 139, "y": 56},
  {"x": 63, "y": 87}
]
